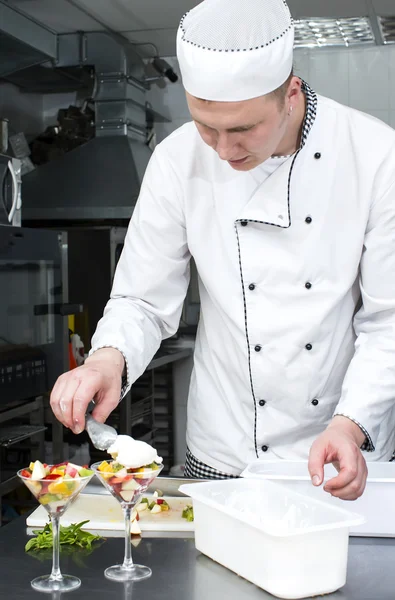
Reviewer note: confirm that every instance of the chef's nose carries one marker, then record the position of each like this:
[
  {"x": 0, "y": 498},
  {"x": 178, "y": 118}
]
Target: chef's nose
[{"x": 225, "y": 146}]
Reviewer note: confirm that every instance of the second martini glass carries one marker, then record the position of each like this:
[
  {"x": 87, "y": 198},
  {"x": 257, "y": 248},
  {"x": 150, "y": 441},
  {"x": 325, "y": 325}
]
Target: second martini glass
[{"x": 128, "y": 488}]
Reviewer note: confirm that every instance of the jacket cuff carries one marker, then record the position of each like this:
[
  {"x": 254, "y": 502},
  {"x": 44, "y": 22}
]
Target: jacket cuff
[
  {"x": 368, "y": 445},
  {"x": 126, "y": 384}
]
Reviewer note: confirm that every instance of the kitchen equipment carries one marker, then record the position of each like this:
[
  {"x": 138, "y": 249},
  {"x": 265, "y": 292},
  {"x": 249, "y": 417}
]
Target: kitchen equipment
[
  {"x": 23, "y": 372},
  {"x": 105, "y": 514},
  {"x": 21, "y": 150},
  {"x": 93, "y": 254},
  {"x": 23, "y": 41},
  {"x": 107, "y": 186},
  {"x": 10, "y": 190},
  {"x": 290, "y": 545},
  {"x": 3, "y": 135},
  {"x": 102, "y": 436},
  {"x": 33, "y": 311},
  {"x": 376, "y": 504}
]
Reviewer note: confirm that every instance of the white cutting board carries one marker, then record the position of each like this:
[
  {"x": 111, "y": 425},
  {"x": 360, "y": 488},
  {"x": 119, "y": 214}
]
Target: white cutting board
[{"x": 105, "y": 513}]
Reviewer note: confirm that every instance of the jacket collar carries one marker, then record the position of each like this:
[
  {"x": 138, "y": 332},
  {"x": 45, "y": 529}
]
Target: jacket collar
[
  {"x": 311, "y": 112},
  {"x": 270, "y": 203}
]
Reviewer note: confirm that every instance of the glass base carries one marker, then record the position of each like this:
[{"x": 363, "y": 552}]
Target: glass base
[
  {"x": 135, "y": 573},
  {"x": 66, "y": 584}
]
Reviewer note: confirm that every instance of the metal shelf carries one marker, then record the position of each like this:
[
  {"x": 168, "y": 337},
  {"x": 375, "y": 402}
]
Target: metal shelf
[
  {"x": 20, "y": 408},
  {"x": 17, "y": 433},
  {"x": 12, "y": 436}
]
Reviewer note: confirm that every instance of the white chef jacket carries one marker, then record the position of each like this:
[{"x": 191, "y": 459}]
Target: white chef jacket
[{"x": 283, "y": 343}]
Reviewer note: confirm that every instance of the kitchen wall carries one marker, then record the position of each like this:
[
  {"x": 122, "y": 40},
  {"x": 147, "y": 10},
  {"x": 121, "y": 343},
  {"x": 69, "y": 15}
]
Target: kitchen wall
[
  {"x": 172, "y": 97},
  {"x": 24, "y": 111},
  {"x": 361, "y": 78}
]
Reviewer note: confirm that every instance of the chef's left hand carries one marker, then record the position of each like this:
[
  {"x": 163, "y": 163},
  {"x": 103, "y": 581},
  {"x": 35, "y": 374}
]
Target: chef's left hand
[{"x": 340, "y": 444}]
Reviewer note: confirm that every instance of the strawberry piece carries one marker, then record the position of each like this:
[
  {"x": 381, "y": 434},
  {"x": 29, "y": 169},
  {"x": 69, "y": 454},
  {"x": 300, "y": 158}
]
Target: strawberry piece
[
  {"x": 51, "y": 476},
  {"x": 26, "y": 473},
  {"x": 160, "y": 501},
  {"x": 121, "y": 479}
]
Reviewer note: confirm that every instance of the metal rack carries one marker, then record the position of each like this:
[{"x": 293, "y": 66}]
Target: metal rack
[
  {"x": 14, "y": 433},
  {"x": 163, "y": 415},
  {"x": 17, "y": 433}
]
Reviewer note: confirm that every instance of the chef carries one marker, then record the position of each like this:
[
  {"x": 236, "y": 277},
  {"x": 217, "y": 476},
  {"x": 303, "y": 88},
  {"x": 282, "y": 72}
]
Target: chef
[{"x": 286, "y": 201}]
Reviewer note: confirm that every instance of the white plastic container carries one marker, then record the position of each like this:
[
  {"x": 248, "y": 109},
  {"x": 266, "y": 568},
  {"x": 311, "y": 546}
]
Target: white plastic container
[
  {"x": 377, "y": 504},
  {"x": 290, "y": 545}
]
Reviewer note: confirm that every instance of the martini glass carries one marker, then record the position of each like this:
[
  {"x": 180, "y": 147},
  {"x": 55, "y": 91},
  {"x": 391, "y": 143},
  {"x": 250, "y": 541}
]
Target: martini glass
[
  {"x": 55, "y": 496},
  {"x": 128, "y": 490}
]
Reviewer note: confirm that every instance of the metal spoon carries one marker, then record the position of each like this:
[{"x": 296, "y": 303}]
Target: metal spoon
[{"x": 102, "y": 436}]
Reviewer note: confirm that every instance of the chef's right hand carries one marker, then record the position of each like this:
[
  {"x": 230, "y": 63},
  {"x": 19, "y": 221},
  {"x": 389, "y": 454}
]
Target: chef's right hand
[{"x": 99, "y": 378}]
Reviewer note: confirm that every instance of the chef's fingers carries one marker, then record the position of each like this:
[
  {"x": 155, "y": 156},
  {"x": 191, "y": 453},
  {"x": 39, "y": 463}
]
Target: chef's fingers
[
  {"x": 56, "y": 395},
  {"x": 352, "y": 491},
  {"x": 356, "y": 488},
  {"x": 106, "y": 403},
  {"x": 66, "y": 400},
  {"x": 336, "y": 464},
  {"x": 62, "y": 397},
  {"x": 351, "y": 468},
  {"x": 90, "y": 385},
  {"x": 317, "y": 460}
]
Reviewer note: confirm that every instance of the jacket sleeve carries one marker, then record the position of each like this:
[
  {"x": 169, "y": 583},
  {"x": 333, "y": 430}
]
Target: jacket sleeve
[
  {"x": 368, "y": 392},
  {"x": 152, "y": 275}
]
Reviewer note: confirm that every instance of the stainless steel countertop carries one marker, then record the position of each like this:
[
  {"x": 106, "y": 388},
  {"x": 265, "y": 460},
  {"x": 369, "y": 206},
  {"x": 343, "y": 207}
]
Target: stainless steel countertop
[{"x": 179, "y": 571}]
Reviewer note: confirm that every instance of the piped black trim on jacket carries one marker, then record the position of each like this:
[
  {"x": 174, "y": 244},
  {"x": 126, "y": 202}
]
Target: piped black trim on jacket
[{"x": 311, "y": 111}]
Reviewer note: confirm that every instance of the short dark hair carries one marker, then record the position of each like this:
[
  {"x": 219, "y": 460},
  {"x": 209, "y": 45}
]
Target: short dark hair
[{"x": 280, "y": 93}]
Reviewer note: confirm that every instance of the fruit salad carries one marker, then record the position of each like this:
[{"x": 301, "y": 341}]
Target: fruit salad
[
  {"x": 55, "y": 486},
  {"x": 127, "y": 484}
]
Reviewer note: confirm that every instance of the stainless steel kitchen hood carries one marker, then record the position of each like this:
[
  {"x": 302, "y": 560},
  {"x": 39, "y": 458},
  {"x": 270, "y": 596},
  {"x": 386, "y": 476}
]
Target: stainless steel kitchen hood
[
  {"x": 99, "y": 180},
  {"x": 23, "y": 41}
]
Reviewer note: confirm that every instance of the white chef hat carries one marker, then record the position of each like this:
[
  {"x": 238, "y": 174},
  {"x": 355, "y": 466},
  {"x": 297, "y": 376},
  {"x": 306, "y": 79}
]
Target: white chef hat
[{"x": 231, "y": 50}]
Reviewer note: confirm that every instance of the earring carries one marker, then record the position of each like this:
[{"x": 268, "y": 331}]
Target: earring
[{"x": 290, "y": 110}]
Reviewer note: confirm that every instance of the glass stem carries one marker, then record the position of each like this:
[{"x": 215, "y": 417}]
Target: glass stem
[
  {"x": 127, "y": 561},
  {"x": 56, "y": 575}
]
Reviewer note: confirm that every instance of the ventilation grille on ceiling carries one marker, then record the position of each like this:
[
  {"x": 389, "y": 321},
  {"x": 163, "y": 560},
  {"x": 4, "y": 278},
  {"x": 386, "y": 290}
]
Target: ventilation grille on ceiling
[
  {"x": 315, "y": 33},
  {"x": 387, "y": 26}
]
